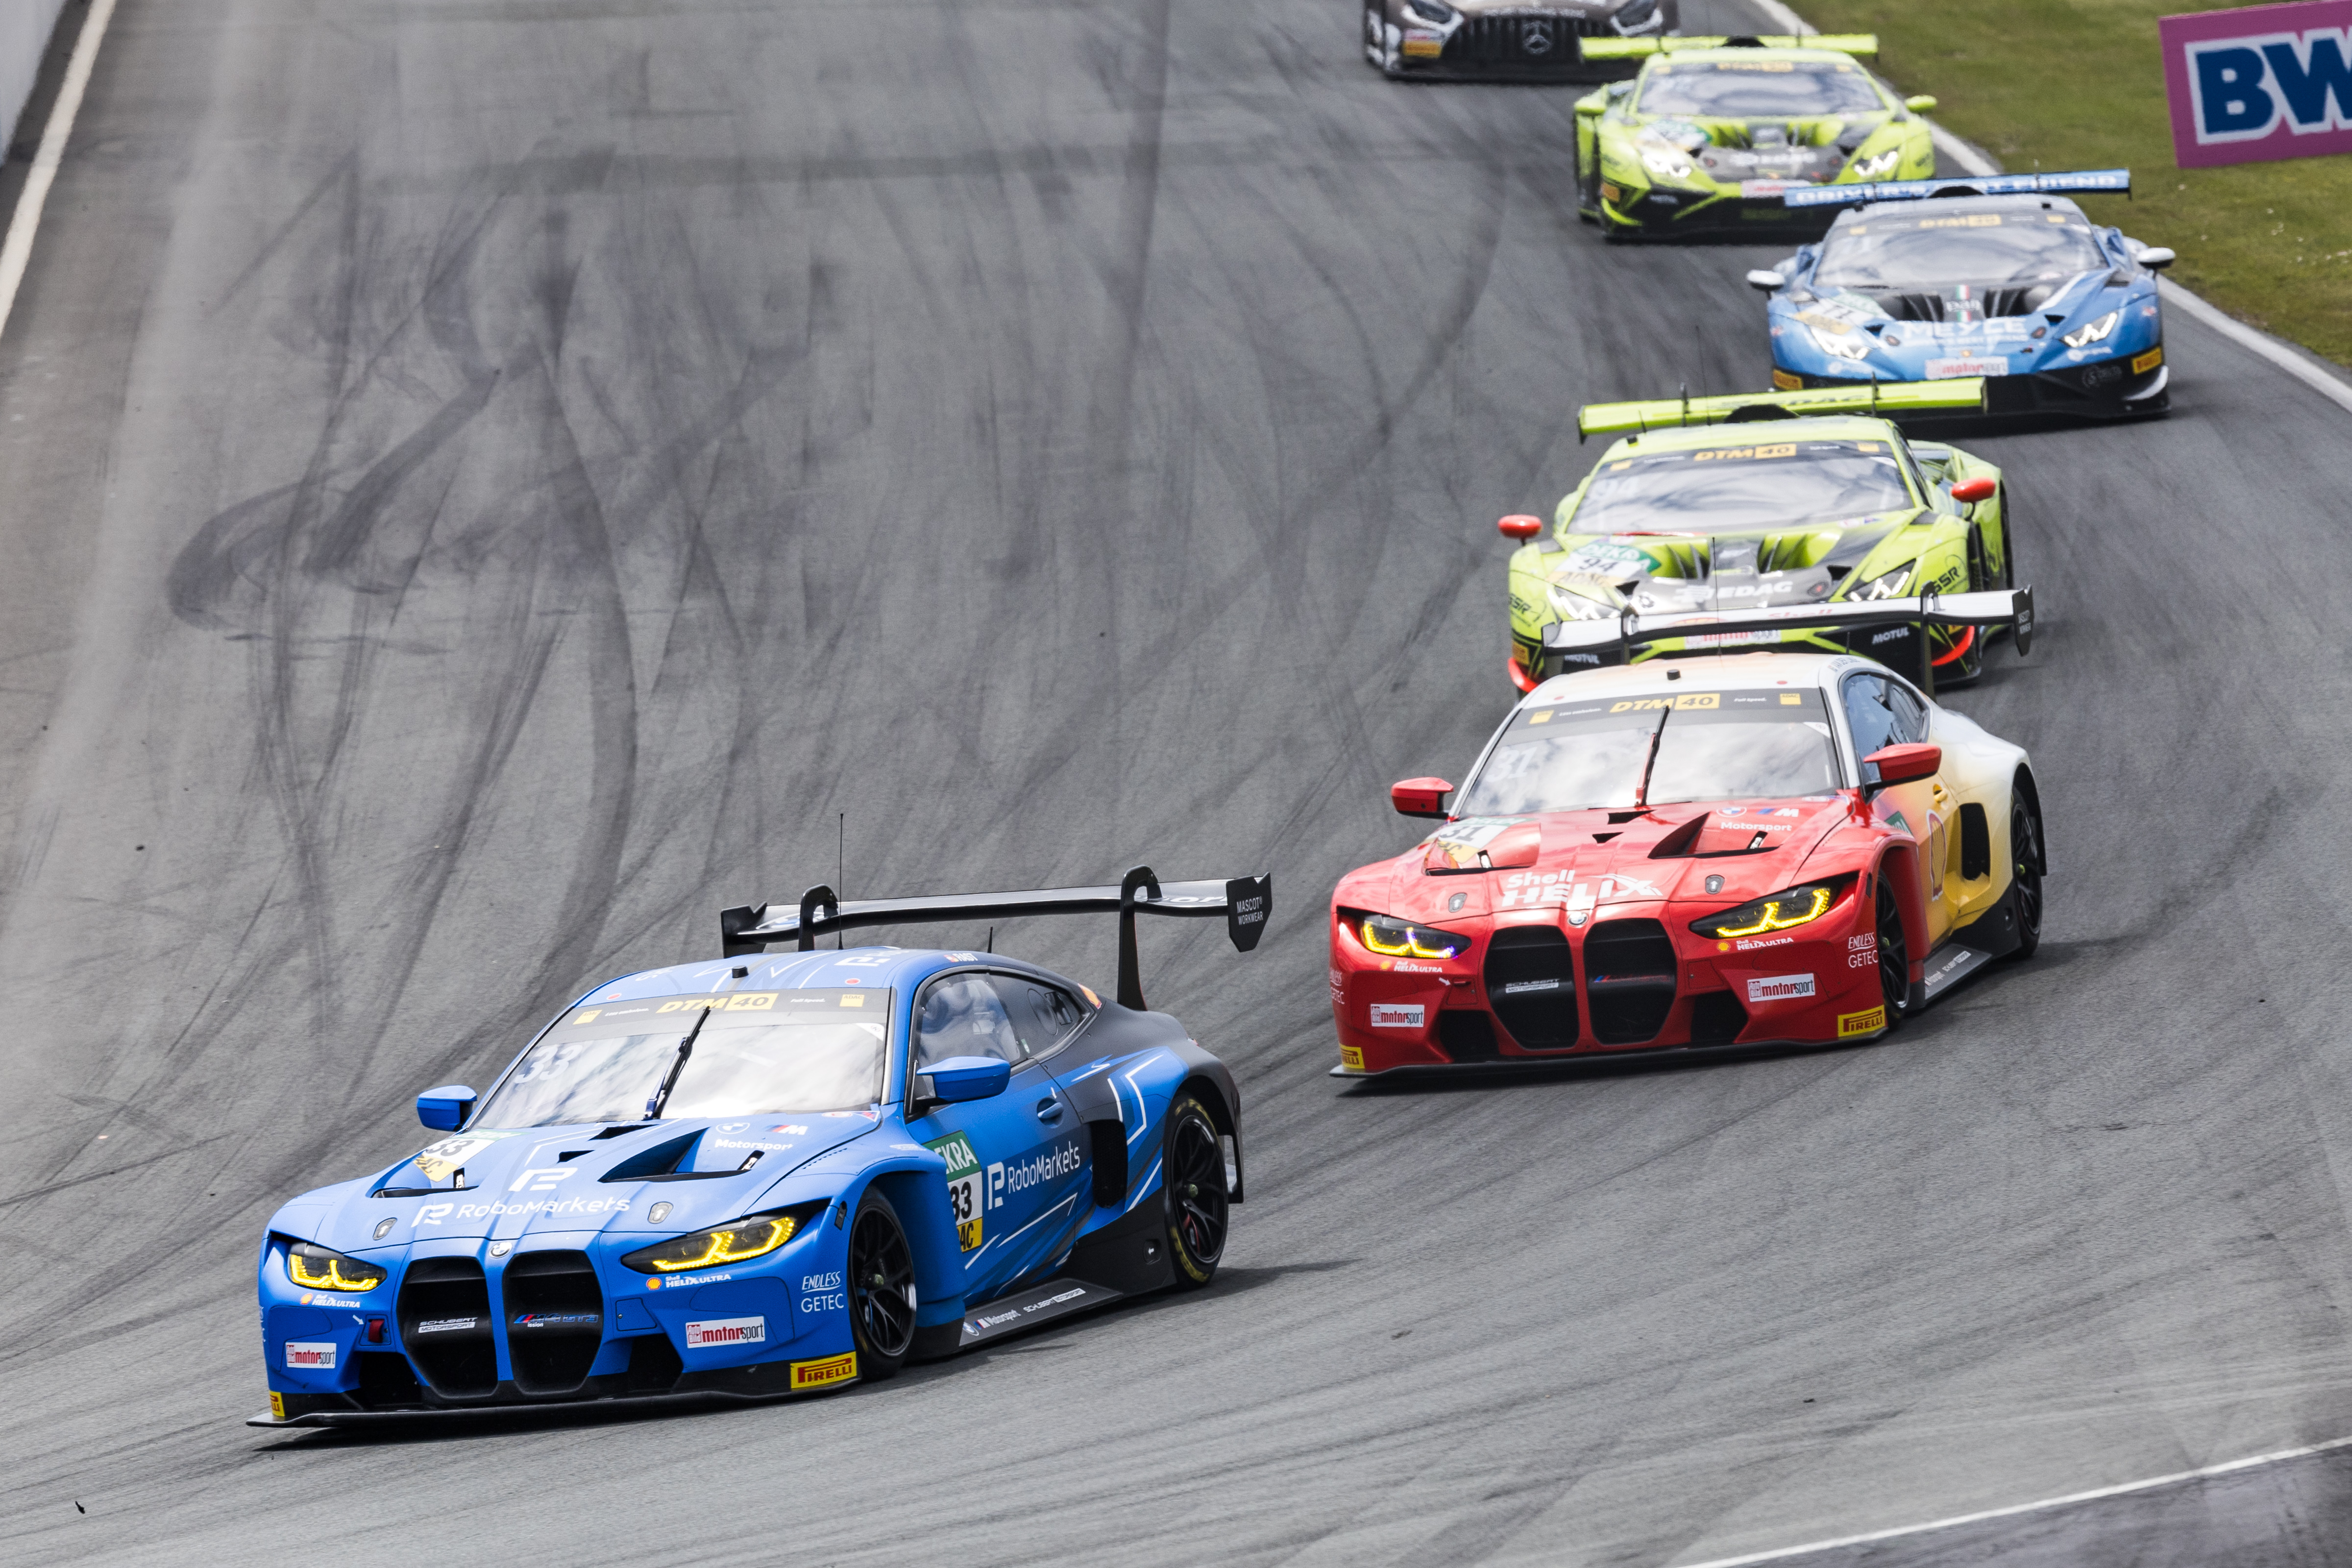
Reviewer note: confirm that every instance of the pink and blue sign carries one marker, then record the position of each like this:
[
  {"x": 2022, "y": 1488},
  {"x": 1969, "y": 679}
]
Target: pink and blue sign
[{"x": 2260, "y": 83}]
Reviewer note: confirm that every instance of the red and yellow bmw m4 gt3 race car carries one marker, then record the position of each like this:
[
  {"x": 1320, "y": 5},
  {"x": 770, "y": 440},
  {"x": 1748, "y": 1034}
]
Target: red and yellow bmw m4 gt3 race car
[{"x": 1755, "y": 849}]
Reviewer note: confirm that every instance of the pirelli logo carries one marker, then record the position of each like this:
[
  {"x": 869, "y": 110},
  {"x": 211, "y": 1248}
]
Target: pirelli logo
[
  {"x": 824, "y": 1374},
  {"x": 1870, "y": 1022},
  {"x": 2143, "y": 363},
  {"x": 1651, "y": 704},
  {"x": 1351, "y": 1058},
  {"x": 1784, "y": 381}
]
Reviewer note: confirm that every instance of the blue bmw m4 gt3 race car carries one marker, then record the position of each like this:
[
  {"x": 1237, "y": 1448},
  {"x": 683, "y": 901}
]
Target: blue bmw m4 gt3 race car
[
  {"x": 1999, "y": 276},
  {"x": 772, "y": 1175}
]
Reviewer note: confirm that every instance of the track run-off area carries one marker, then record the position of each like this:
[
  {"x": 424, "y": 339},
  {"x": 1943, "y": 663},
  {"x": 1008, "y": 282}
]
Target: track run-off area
[{"x": 489, "y": 484}]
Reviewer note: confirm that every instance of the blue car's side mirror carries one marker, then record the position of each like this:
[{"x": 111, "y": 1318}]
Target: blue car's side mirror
[
  {"x": 960, "y": 1079},
  {"x": 445, "y": 1109}
]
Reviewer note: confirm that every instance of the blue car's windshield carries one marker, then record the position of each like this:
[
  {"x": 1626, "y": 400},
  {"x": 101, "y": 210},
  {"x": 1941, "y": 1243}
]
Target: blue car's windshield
[
  {"x": 818, "y": 1049},
  {"x": 1759, "y": 89},
  {"x": 1770, "y": 485},
  {"x": 1994, "y": 250}
]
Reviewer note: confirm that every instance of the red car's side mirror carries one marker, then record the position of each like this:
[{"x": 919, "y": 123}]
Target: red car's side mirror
[
  {"x": 1520, "y": 526},
  {"x": 1900, "y": 765},
  {"x": 1420, "y": 797},
  {"x": 1974, "y": 491}
]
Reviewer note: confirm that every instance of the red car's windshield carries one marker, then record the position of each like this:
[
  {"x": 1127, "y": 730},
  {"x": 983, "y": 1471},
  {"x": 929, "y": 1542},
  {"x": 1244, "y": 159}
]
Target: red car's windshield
[{"x": 1622, "y": 753}]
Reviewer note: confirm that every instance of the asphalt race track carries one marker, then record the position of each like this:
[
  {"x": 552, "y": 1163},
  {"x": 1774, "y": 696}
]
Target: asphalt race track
[{"x": 489, "y": 482}]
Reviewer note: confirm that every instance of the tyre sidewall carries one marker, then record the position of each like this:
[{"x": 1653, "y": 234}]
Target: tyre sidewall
[
  {"x": 1191, "y": 1272},
  {"x": 873, "y": 1366}
]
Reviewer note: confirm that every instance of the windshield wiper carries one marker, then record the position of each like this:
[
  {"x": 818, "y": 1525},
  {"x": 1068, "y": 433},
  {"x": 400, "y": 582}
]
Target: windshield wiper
[{"x": 677, "y": 1065}]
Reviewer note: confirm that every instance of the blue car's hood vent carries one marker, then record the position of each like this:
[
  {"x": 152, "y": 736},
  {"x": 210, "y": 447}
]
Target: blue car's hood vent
[{"x": 507, "y": 1181}]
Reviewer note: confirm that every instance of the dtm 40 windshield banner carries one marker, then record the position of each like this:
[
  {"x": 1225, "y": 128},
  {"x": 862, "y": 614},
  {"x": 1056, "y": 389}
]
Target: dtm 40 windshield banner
[{"x": 2258, "y": 84}]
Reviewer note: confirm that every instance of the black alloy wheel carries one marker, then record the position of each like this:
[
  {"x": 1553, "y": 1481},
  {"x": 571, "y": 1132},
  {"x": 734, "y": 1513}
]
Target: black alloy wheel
[
  {"x": 1193, "y": 1164},
  {"x": 1894, "y": 956},
  {"x": 2025, "y": 861},
  {"x": 881, "y": 1288}
]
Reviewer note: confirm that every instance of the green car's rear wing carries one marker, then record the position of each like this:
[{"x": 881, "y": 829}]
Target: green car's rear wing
[
  {"x": 1865, "y": 44},
  {"x": 1244, "y": 901},
  {"x": 1958, "y": 185},
  {"x": 1884, "y": 400},
  {"x": 1572, "y": 645}
]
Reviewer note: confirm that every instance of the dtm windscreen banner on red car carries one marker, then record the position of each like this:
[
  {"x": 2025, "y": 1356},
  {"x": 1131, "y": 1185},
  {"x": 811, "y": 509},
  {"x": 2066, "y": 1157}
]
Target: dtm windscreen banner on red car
[{"x": 2259, "y": 84}]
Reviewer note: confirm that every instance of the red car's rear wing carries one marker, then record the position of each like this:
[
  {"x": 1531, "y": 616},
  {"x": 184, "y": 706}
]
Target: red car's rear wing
[
  {"x": 1567, "y": 644},
  {"x": 1244, "y": 901}
]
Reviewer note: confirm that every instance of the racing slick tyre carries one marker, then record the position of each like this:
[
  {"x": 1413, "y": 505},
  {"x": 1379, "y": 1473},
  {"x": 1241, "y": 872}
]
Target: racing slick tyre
[
  {"x": 1193, "y": 1192},
  {"x": 1893, "y": 957},
  {"x": 2025, "y": 857},
  {"x": 881, "y": 1288}
]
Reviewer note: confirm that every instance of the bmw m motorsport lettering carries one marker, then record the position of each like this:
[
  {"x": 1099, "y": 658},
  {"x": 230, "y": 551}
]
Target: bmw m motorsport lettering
[{"x": 932, "y": 1119}]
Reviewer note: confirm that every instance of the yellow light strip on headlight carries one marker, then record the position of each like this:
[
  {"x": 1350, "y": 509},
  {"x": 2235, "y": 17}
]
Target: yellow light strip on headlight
[
  {"x": 1772, "y": 919},
  {"x": 298, "y": 1269},
  {"x": 1409, "y": 948},
  {"x": 722, "y": 1247}
]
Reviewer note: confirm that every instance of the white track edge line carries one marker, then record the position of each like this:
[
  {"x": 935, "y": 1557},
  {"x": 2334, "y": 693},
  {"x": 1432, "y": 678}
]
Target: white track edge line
[
  {"x": 2093, "y": 1495},
  {"x": 17, "y": 250},
  {"x": 2276, "y": 350}
]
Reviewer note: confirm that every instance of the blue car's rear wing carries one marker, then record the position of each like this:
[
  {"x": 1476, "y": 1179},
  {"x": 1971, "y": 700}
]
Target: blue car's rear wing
[
  {"x": 1613, "y": 642},
  {"x": 1958, "y": 185},
  {"x": 1242, "y": 900}
]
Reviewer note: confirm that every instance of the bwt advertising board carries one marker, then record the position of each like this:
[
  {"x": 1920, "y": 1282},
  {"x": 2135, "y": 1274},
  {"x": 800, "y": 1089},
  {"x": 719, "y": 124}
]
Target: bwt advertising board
[{"x": 2261, "y": 83}]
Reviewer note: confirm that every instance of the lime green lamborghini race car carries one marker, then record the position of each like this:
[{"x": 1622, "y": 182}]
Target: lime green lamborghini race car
[
  {"x": 1712, "y": 131},
  {"x": 1766, "y": 500}
]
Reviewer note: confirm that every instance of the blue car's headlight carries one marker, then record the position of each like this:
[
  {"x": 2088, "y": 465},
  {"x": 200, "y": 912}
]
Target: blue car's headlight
[
  {"x": 1845, "y": 345},
  {"x": 316, "y": 1268},
  {"x": 2097, "y": 331},
  {"x": 737, "y": 1241}
]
